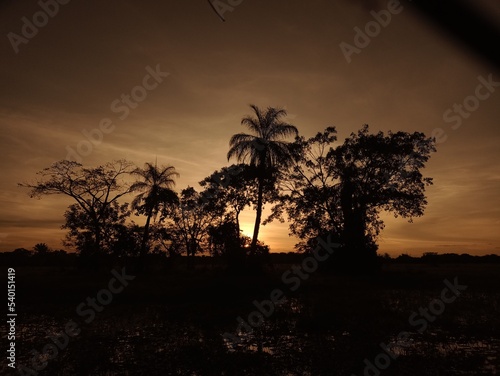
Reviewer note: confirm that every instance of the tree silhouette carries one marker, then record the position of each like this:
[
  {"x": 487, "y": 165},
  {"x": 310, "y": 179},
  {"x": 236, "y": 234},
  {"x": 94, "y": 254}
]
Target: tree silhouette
[
  {"x": 93, "y": 189},
  {"x": 379, "y": 172},
  {"x": 81, "y": 228},
  {"x": 41, "y": 249},
  {"x": 344, "y": 189},
  {"x": 228, "y": 190},
  {"x": 309, "y": 191},
  {"x": 127, "y": 240},
  {"x": 224, "y": 240},
  {"x": 188, "y": 222},
  {"x": 265, "y": 149},
  {"x": 156, "y": 190}
]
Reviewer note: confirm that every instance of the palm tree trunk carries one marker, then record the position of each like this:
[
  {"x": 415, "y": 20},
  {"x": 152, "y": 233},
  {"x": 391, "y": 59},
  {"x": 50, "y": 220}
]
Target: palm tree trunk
[
  {"x": 237, "y": 216},
  {"x": 260, "y": 194},
  {"x": 146, "y": 234}
]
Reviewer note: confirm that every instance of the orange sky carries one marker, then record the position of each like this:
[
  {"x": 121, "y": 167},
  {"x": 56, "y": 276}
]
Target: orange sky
[{"x": 65, "y": 79}]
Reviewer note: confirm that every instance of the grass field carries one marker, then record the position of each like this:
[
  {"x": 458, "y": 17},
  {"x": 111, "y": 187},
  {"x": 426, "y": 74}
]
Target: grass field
[{"x": 171, "y": 322}]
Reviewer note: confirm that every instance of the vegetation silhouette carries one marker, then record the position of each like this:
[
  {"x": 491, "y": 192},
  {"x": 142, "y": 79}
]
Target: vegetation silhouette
[
  {"x": 265, "y": 150},
  {"x": 230, "y": 190},
  {"x": 41, "y": 249},
  {"x": 60, "y": 258},
  {"x": 325, "y": 189},
  {"x": 156, "y": 191},
  {"x": 341, "y": 190},
  {"x": 96, "y": 192}
]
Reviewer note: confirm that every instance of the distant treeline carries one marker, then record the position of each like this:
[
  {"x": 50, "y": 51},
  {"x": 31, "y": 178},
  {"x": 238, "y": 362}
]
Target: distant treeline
[
  {"x": 61, "y": 258},
  {"x": 445, "y": 258}
]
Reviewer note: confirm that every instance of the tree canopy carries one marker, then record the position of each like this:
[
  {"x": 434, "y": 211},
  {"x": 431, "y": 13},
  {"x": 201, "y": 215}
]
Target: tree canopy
[
  {"x": 323, "y": 187},
  {"x": 95, "y": 190},
  {"x": 343, "y": 189}
]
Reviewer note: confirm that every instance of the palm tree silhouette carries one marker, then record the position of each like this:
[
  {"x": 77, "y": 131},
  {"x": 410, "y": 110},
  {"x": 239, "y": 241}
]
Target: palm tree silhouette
[
  {"x": 265, "y": 150},
  {"x": 156, "y": 190}
]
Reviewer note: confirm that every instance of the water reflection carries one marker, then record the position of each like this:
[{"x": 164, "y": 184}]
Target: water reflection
[
  {"x": 286, "y": 344},
  {"x": 278, "y": 338}
]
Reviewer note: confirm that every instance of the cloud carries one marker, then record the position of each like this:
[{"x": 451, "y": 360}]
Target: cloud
[{"x": 64, "y": 80}]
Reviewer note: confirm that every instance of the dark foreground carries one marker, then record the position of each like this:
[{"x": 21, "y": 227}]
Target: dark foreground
[{"x": 172, "y": 322}]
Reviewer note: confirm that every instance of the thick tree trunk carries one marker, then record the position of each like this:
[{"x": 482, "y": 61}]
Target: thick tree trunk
[
  {"x": 356, "y": 255},
  {"x": 346, "y": 202}
]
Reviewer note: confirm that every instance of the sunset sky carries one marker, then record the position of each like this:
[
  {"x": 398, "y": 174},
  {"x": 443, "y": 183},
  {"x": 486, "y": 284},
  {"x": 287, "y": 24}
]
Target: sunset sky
[{"x": 71, "y": 75}]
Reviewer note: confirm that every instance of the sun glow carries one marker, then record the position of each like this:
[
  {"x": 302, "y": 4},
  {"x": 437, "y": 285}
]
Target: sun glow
[{"x": 246, "y": 229}]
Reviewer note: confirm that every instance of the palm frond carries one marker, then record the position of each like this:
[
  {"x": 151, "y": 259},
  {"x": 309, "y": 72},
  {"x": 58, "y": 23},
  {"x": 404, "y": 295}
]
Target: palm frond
[
  {"x": 282, "y": 130},
  {"x": 252, "y": 124},
  {"x": 266, "y": 148},
  {"x": 242, "y": 145},
  {"x": 154, "y": 182}
]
